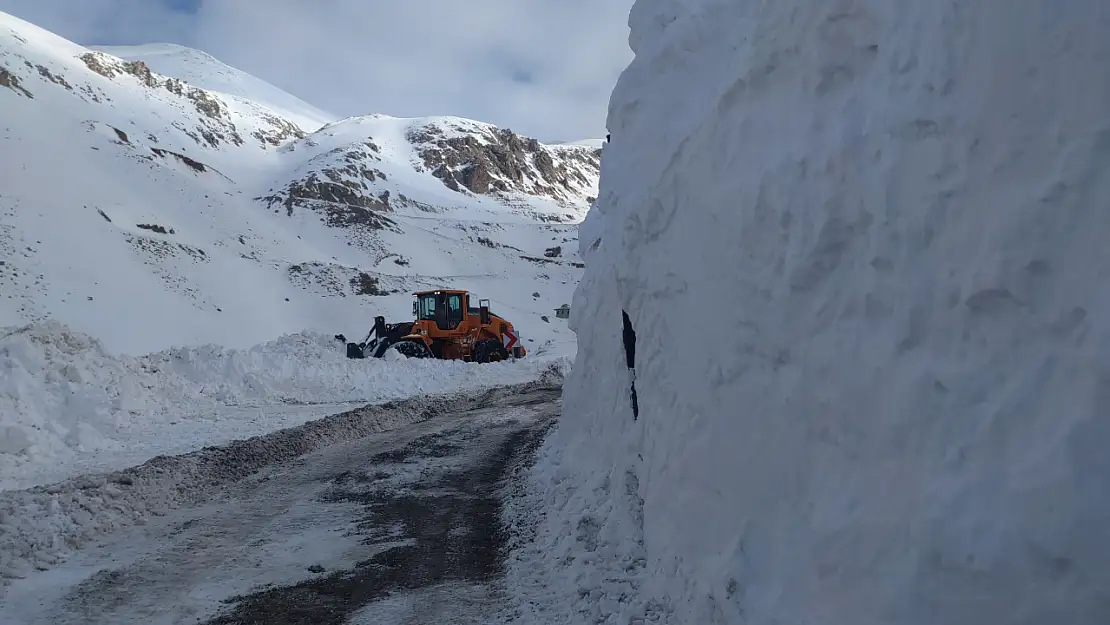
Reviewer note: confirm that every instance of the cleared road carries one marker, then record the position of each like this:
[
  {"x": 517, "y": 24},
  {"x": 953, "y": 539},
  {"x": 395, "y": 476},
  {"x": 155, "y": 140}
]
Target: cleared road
[{"x": 398, "y": 528}]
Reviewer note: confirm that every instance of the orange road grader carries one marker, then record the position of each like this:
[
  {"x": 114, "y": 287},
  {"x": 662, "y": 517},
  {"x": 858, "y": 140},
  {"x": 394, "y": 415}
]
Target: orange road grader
[{"x": 446, "y": 326}]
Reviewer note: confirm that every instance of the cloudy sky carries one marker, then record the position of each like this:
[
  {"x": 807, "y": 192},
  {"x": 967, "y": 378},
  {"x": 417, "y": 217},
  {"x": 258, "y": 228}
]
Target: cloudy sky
[{"x": 541, "y": 67}]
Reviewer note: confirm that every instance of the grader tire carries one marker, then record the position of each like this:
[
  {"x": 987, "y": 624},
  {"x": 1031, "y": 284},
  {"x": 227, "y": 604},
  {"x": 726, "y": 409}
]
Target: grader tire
[
  {"x": 489, "y": 350},
  {"x": 411, "y": 349}
]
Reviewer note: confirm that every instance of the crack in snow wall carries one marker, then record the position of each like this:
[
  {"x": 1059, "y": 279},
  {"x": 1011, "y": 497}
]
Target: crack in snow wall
[{"x": 862, "y": 244}]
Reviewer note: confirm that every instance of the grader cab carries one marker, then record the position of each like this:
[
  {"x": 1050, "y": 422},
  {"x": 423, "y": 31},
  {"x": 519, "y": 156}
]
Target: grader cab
[{"x": 449, "y": 324}]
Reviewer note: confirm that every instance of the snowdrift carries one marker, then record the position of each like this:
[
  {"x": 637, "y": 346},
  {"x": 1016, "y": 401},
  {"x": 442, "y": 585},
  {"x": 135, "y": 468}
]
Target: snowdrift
[
  {"x": 892, "y": 215},
  {"x": 67, "y": 406}
]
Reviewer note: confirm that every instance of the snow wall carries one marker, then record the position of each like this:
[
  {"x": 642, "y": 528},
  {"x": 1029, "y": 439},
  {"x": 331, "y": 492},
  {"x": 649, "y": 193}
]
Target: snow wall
[{"x": 864, "y": 246}]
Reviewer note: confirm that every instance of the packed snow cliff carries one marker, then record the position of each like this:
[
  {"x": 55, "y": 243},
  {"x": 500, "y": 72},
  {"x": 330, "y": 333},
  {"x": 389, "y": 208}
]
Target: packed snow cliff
[{"x": 863, "y": 247}]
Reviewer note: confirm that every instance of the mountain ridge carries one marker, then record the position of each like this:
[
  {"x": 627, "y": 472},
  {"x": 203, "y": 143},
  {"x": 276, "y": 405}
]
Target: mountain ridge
[{"x": 216, "y": 219}]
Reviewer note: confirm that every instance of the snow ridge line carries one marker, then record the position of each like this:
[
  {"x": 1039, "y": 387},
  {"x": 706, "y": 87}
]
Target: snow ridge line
[{"x": 41, "y": 527}]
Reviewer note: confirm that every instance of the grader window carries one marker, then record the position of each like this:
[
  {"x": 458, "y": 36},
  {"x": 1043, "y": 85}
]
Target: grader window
[
  {"x": 454, "y": 311},
  {"x": 426, "y": 307}
]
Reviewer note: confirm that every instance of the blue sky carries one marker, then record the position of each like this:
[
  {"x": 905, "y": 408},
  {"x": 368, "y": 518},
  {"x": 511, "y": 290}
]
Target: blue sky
[
  {"x": 184, "y": 6},
  {"x": 541, "y": 67}
]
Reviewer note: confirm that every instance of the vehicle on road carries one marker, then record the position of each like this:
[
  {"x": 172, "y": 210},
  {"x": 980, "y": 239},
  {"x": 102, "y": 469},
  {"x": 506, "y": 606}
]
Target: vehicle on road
[{"x": 448, "y": 326}]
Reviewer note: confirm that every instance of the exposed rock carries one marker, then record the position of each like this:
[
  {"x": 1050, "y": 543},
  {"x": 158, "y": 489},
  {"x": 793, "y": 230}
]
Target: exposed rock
[
  {"x": 477, "y": 178},
  {"x": 403, "y": 200},
  {"x": 11, "y": 81},
  {"x": 197, "y": 165},
  {"x": 339, "y": 186},
  {"x": 161, "y": 249},
  {"x": 310, "y": 191},
  {"x": 283, "y": 130},
  {"x": 94, "y": 94},
  {"x": 334, "y": 280},
  {"x": 139, "y": 70},
  {"x": 488, "y": 160},
  {"x": 365, "y": 284},
  {"x": 477, "y": 160},
  {"x": 537, "y": 260},
  {"x": 355, "y": 217},
  {"x": 208, "y": 105},
  {"x": 216, "y": 127},
  {"x": 99, "y": 63},
  {"x": 54, "y": 78},
  {"x": 155, "y": 228}
]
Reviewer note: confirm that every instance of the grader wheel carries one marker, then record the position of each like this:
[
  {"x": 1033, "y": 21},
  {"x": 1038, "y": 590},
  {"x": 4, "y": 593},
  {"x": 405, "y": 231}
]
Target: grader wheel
[
  {"x": 411, "y": 349},
  {"x": 489, "y": 350}
]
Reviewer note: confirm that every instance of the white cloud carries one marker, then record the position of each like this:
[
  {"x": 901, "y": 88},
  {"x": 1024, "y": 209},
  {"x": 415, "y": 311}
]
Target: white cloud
[{"x": 542, "y": 67}]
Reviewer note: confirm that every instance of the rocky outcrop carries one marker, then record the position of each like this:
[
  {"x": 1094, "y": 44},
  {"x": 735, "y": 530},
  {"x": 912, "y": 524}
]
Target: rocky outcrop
[
  {"x": 11, "y": 81},
  {"x": 216, "y": 126},
  {"x": 497, "y": 161},
  {"x": 338, "y": 178},
  {"x": 51, "y": 76},
  {"x": 189, "y": 162},
  {"x": 472, "y": 158},
  {"x": 280, "y": 131},
  {"x": 338, "y": 186},
  {"x": 335, "y": 280}
]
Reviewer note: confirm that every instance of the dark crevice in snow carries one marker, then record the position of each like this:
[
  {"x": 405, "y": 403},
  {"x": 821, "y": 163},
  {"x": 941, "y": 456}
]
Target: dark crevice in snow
[{"x": 630, "y": 360}]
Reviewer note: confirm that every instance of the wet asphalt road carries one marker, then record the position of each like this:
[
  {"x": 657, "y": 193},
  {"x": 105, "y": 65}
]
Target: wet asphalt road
[{"x": 398, "y": 528}]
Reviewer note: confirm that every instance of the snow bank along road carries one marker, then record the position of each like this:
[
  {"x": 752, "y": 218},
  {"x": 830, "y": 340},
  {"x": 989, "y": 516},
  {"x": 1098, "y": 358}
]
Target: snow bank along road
[
  {"x": 70, "y": 407},
  {"x": 295, "y": 527}
]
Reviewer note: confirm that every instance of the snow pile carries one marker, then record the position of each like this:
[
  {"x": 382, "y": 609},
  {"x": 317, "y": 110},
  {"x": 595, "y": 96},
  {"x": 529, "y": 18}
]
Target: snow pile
[
  {"x": 65, "y": 401},
  {"x": 893, "y": 217}
]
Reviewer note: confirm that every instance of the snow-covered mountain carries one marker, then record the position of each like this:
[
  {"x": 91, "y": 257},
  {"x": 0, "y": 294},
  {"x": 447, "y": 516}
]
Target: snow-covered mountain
[
  {"x": 154, "y": 196},
  {"x": 202, "y": 70}
]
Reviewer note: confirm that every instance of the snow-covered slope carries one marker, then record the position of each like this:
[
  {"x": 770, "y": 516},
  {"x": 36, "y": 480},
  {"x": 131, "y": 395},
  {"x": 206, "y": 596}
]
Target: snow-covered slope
[
  {"x": 863, "y": 246},
  {"x": 202, "y": 70},
  {"x": 148, "y": 212}
]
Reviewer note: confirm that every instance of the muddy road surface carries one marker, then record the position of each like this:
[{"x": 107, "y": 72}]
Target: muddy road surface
[{"x": 402, "y": 527}]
